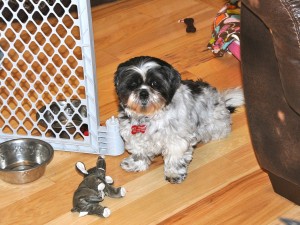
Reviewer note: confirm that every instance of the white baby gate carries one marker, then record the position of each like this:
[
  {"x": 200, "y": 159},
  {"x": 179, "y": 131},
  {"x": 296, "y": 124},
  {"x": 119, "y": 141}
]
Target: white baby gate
[{"x": 48, "y": 80}]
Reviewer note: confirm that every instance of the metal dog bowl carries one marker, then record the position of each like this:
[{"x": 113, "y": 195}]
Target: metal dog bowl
[
  {"x": 68, "y": 118},
  {"x": 24, "y": 160}
]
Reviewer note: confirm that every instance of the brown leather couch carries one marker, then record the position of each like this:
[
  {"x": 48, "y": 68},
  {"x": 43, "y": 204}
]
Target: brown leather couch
[{"x": 270, "y": 56}]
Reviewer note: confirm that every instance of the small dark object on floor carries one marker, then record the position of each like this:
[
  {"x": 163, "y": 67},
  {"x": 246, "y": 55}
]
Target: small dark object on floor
[
  {"x": 189, "y": 23},
  {"x": 92, "y": 190}
]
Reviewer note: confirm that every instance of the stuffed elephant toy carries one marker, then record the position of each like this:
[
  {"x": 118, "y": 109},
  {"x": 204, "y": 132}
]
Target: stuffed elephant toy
[{"x": 92, "y": 190}]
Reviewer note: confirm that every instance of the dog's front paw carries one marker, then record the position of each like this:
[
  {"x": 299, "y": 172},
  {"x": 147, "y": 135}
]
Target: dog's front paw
[
  {"x": 132, "y": 164},
  {"x": 175, "y": 173},
  {"x": 176, "y": 179}
]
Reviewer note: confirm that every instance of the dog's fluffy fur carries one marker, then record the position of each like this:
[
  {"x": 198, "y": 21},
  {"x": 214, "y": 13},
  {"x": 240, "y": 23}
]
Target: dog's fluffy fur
[{"x": 176, "y": 114}]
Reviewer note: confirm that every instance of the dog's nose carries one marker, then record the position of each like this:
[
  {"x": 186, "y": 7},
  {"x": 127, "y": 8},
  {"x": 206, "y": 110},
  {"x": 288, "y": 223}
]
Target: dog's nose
[{"x": 144, "y": 94}]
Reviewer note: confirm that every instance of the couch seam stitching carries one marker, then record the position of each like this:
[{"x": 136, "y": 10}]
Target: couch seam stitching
[{"x": 293, "y": 20}]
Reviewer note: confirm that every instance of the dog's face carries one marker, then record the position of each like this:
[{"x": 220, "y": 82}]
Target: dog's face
[{"x": 145, "y": 85}]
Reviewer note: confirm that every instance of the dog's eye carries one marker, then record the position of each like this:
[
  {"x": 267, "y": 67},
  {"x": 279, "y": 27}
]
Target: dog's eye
[
  {"x": 154, "y": 84},
  {"x": 132, "y": 85}
]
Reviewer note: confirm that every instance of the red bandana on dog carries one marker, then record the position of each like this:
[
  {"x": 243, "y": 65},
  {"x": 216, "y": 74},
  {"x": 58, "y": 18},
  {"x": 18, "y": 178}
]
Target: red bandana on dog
[{"x": 138, "y": 129}]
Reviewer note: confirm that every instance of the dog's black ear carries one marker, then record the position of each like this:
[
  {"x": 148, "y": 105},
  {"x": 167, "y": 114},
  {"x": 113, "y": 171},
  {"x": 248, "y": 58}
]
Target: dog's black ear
[
  {"x": 173, "y": 78},
  {"x": 176, "y": 78},
  {"x": 117, "y": 77}
]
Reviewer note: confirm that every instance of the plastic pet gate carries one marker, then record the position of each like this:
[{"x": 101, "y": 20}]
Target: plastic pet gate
[{"x": 48, "y": 79}]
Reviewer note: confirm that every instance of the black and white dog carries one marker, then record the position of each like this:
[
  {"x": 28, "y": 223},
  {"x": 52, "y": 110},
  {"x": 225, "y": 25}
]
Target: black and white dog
[{"x": 162, "y": 114}]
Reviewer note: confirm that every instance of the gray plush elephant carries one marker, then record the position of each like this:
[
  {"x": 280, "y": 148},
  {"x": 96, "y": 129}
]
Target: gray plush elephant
[{"x": 92, "y": 190}]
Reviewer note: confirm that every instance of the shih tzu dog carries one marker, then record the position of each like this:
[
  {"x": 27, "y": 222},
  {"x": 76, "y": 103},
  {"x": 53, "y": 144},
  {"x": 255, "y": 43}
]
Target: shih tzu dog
[{"x": 160, "y": 114}]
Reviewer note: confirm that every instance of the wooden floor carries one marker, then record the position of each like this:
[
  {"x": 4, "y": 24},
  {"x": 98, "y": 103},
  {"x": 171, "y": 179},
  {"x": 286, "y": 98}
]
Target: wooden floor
[{"x": 225, "y": 184}]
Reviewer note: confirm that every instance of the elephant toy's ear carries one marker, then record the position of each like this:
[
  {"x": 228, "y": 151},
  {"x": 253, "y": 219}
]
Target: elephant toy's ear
[{"x": 81, "y": 167}]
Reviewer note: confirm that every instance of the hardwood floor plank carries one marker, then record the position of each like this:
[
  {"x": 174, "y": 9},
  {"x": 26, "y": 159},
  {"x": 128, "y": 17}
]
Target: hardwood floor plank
[
  {"x": 10, "y": 194},
  {"x": 249, "y": 200},
  {"x": 169, "y": 198},
  {"x": 292, "y": 214}
]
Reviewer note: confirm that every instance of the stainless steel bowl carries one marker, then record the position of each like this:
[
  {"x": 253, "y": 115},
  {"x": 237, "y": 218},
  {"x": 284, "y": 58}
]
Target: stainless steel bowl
[{"x": 24, "y": 160}]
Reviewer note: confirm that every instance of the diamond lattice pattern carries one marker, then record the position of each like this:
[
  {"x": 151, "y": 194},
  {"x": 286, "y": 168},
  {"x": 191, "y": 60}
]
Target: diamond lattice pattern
[{"x": 42, "y": 90}]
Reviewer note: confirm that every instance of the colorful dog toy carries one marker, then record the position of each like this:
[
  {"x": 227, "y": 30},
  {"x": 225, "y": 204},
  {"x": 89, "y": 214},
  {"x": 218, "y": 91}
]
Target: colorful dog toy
[{"x": 226, "y": 30}]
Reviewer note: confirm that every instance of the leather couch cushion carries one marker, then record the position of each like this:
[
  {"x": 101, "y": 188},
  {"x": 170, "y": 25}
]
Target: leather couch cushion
[{"x": 283, "y": 19}]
